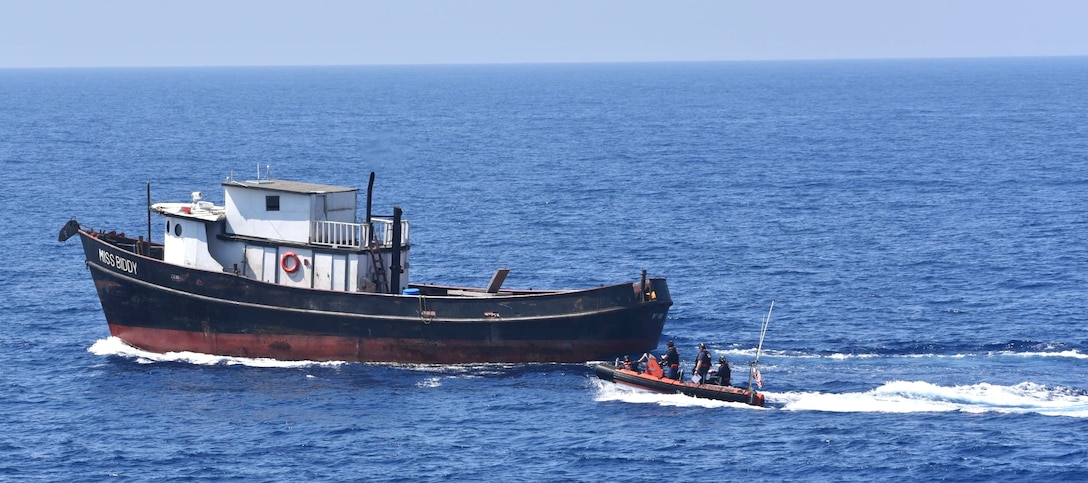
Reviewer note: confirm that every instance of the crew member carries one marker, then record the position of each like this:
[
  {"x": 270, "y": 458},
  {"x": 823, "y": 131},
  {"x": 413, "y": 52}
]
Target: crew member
[
  {"x": 702, "y": 363},
  {"x": 671, "y": 361},
  {"x": 637, "y": 365},
  {"x": 723, "y": 372}
]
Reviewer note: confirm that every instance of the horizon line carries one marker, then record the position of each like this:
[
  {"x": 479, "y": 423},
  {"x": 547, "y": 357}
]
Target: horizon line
[{"x": 527, "y": 63}]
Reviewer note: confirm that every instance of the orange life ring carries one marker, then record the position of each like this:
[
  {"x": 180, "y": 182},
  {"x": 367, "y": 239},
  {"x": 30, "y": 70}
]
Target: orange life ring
[{"x": 293, "y": 267}]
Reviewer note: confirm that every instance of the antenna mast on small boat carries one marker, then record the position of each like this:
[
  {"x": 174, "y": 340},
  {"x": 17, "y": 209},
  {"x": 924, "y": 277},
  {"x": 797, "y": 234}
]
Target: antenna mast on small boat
[{"x": 752, "y": 370}]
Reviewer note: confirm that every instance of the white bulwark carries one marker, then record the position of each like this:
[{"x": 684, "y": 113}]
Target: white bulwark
[{"x": 284, "y": 232}]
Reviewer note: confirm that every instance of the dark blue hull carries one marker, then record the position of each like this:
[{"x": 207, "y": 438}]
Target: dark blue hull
[{"x": 162, "y": 307}]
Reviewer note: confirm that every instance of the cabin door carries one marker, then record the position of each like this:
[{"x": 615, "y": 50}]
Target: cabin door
[{"x": 319, "y": 209}]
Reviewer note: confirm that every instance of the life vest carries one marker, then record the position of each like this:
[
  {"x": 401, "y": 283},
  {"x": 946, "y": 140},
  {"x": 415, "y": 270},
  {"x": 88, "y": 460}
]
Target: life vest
[
  {"x": 672, "y": 358},
  {"x": 704, "y": 360}
]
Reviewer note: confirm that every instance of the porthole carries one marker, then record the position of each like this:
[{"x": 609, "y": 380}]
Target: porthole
[
  {"x": 167, "y": 227},
  {"x": 177, "y": 229}
]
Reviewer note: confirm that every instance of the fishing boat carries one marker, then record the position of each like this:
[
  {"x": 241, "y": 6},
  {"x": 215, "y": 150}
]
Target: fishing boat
[
  {"x": 653, "y": 379},
  {"x": 285, "y": 270}
]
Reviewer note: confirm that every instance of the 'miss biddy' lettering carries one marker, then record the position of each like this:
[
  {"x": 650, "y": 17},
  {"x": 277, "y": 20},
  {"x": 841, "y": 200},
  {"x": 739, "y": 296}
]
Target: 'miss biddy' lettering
[{"x": 116, "y": 261}]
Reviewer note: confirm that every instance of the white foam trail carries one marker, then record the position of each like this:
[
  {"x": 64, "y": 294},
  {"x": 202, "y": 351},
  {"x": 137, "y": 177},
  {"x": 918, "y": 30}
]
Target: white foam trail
[
  {"x": 740, "y": 354},
  {"x": 466, "y": 371},
  {"x": 429, "y": 382},
  {"x": 919, "y": 396},
  {"x": 113, "y": 346},
  {"x": 608, "y": 391},
  {"x": 1074, "y": 354}
]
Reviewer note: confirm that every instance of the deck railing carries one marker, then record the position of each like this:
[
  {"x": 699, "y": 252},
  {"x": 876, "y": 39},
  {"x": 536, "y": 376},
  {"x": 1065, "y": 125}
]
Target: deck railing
[
  {"x": 355, "y": 235},
  {"x": 383, "y": 231}
]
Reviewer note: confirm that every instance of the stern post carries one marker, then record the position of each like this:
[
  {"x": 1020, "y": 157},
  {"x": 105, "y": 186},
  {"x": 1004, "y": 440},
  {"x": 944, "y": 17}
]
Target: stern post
[
  {"x": 394, "y": 263},
  {"x": 369, "y": 196},
  {"x": 148, "y": 247}
]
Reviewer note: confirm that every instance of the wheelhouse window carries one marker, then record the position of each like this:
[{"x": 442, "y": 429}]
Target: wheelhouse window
[{"x": 272, "y": 203}]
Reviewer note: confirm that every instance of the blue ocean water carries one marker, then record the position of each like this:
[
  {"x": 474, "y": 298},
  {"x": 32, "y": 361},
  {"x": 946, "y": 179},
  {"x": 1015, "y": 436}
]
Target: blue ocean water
[{"x": 920, "y": 224}]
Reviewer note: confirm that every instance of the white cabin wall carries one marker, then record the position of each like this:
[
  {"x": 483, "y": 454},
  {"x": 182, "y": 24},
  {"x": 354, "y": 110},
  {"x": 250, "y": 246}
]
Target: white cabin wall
[
  {"x": 303, "y": 277},
  {"x": 173, "y": 246},
  {"x": 270, "y": 266},
  {"x": 247, "y": 216},
  {"x": 331, "y": 271},
  {"x": 186, "y": 244},
  {"x": 228, "y": 254},
  {"x": 339, "y": 272},
  {"x": 255, "y": 264},
  {"x": 246, "y": 238},
  {"x": 323, "y": 272},
  {"x": 341, "y": 206},
  {"x": 352, "y": 273}
]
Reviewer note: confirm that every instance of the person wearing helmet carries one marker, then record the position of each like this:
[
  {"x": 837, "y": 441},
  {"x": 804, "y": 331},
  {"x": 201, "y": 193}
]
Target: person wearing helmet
[
  {"x": 722, "y": 374},
  {"x": 671, "y": 361},
  {"x": 626, "y": 364},
  {"x": 702, "y": 364},
  {"x": 635, "y": 365}
]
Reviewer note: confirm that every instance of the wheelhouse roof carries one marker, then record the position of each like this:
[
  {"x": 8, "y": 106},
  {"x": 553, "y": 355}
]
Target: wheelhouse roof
[{"x": 289, "y": 186}]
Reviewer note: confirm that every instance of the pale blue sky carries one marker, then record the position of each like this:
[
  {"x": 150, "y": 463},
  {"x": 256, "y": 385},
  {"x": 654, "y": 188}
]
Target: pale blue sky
[{"x": 59, "y": 33}]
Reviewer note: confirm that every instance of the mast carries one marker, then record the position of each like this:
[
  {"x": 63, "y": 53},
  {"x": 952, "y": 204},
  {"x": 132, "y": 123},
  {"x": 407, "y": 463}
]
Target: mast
[
  {"x": 148, "y": 246},
  {"x": 759, "y": 349},
  {"x": 369, "y": 197},
  {"x": 395, "y": 268}
]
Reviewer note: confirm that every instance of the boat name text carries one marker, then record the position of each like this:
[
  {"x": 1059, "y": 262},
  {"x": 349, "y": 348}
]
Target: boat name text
[{"x": 116, "y": 261}]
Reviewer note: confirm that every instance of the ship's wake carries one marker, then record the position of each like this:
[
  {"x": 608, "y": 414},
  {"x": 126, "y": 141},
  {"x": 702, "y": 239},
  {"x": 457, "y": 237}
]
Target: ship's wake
[
  {"x": 113, "y": 346},
  {"x": 116, "y": 347},
  {"x": 892, "y": 397},
  {"x": 920, "y": 396}
]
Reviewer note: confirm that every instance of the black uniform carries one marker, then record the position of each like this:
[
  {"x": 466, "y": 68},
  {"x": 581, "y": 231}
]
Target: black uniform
[
  {"x": 672, "y": 362},
  {"x": 702, "y": 364},
  {"x": 723, "y": 373}
]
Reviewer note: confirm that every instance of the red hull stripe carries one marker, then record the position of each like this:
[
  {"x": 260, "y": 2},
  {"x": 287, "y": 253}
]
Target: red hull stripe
[{"x": 336, "y": 348}]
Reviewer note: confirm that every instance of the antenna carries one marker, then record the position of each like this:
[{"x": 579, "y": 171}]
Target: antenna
[
  {"x": 763, "y": 332},
  {"x": 753, "y": 372}
]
